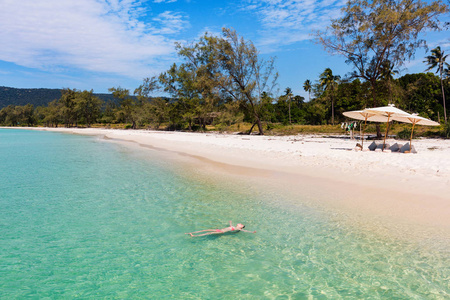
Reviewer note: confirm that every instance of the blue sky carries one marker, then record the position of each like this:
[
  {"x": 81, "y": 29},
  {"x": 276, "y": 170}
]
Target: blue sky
[{"x": 98, "y": 44}]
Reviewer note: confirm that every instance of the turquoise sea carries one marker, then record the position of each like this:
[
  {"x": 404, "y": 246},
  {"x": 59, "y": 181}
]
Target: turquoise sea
[{"x": 81, "y": 217}]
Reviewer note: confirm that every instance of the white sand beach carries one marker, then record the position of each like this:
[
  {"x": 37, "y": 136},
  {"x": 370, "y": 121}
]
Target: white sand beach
[{"x": 408, "y": 188}]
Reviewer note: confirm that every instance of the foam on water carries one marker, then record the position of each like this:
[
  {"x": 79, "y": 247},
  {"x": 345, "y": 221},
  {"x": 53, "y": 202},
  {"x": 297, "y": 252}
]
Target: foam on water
[{"x": 83, "y": 218}]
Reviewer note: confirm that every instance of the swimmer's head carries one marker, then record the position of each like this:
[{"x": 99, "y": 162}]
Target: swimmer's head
[{"x": 240, "y": 226}]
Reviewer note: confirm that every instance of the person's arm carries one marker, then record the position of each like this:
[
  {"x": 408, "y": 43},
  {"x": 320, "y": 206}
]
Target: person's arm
[
  {"x": 248, "y": 231},
  {"x": 230, "y": 224}
]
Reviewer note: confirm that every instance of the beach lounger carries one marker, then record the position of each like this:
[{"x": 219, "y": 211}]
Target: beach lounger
[
  {"x": 395, "y": 148},
  {"x": 405, "y": 148},
  {"x": 380, "y": 147},
  {"x": 372, "y": 146}
]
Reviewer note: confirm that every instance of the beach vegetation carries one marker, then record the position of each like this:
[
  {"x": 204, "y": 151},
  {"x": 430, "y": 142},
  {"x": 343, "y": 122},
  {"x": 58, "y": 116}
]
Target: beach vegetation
[
  {"x": 73, "y": 108},
  {"x": 51, "y": 114},
  {"x": 373, "y": 34},
  {"x": 446, "y": 131},
  {"x": 67, "y": 104},
  {"x": 14, "y": 115},
  {"x": 87, "y": 107},
  {"x": 404, "y": 134},
  {"x": 419, "y": 93},
  {"x": 437, "y": 61},
  {"x": 219, "y": 70},
  {"x": 128, "y": 107},
  {"x": 307, "y": 88},
  {"x": 329, "y": 82}
]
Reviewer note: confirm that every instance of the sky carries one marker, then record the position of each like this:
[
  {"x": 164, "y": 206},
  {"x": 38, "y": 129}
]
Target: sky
[{"x": 99, "y": 44}]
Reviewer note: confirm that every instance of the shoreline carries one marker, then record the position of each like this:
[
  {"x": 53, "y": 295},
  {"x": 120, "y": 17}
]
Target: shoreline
[{"x": 401, "y": 190}]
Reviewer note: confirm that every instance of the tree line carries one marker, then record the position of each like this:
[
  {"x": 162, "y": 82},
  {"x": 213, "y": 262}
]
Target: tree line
[
  {"x": 224, "y": 81},
  {"x": 419, "y": 93}
]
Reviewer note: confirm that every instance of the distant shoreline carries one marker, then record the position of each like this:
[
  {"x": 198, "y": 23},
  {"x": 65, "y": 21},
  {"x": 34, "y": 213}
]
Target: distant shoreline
[{"x": 408, "y": 189}]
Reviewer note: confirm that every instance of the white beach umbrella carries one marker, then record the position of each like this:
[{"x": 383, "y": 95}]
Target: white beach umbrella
[
  {"x": 390, "y": 112},
  {"x": 365, "y": 116},
  {"x": 414, "y": 119}
]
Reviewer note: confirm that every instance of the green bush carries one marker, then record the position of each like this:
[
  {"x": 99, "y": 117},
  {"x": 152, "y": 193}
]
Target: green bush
[
  {"x": 272, "y": 126},
  {"x": 446, "y": 131},
  {"x": 196, "y": 128},
  {"x": 405, "y": 134}
]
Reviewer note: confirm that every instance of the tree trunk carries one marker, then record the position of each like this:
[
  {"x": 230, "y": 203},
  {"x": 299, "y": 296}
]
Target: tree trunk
[
  {"x": 390, "y": 91},
  {"x": 290, "y": 111},
  {"x": 374, "y": 97},
  {"x": 443, "y": 101},
  {"x": 260, "y": 128},
  {"x": 251, "y": 129},
  {"x": 204, "y": 124},
  {"x": 258, "y": 120},
  {"x": 332, "y": 110}
]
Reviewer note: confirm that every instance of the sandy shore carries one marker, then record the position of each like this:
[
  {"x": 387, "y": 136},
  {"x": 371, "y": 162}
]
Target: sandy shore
[{"x": 410, "y": 188}]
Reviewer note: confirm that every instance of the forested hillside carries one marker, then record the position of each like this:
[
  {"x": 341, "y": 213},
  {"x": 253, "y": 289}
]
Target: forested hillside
[{"x": 36, "y": 97}]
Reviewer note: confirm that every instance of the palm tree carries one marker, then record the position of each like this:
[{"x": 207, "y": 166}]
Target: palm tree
[
  {"x": 307, "y": 87},
  {"x": 437, "y": 59},
  {"x": 387, "y": 74},
  {"x": 288, "y": 94},
  {"x": 329, "y": 81}
]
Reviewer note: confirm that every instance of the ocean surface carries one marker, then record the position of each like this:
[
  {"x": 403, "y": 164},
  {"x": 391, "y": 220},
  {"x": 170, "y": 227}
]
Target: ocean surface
[{"x": 83, "y": 217}]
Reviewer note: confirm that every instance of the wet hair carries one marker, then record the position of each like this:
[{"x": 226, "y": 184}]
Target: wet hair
[{"x": 243, "y": 226}]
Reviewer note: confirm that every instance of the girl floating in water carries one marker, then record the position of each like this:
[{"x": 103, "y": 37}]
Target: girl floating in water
[{"x": 231, "y": 228}]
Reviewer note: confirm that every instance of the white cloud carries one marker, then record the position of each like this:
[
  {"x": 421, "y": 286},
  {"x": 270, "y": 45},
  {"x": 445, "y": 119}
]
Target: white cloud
[
  {"x": 443, "y": 43},
  {"x": 95, "y": 35},
  {"x": 211, "y": 31},
  {"x": 171, "y": 22},
  {"x": 414, "y": 63},
  {"x": 288, "y": 21},
  {"x": 164, "y": 1}
]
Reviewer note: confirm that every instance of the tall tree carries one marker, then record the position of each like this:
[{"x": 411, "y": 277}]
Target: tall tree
[
  {"x": 181, "y": 82},
  {"x": 244, "y": 75},
  {"x": 288, "y": 94},
  {"x": 307, "y": 87},
  {"x": 437, "y": 59},
  {"x": 87, "y": 106},
  {"x": 230, "y": 67},
  {"x": 329, "y": 82},
  {"x": 9, "y": 115},
  {"x": 371, "y": 32},
  {"x": 53, "y": 114},
  {"x": 157, "y": 109},
  {"x": 148, "y": 86},
  {"x": 26, "y": 114},
  {"x": 387, "y": 74},
  {"x": 67, "y": 108},
  {"x": 127, "y": 105}
]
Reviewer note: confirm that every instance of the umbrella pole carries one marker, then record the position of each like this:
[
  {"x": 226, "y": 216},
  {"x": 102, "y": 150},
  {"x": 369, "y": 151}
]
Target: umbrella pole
[
  {"x": 387, "y": 127},
  {"x": 410, "y": 140},
  {"x": 362, "y": 136}
]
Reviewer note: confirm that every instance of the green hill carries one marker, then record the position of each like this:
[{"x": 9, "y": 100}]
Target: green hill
[{"x": 37, "y": 97}]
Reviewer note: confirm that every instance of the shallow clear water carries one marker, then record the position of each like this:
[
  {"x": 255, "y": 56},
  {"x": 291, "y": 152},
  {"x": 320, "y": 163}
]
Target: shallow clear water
[{"x": 81, "y": 217}]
